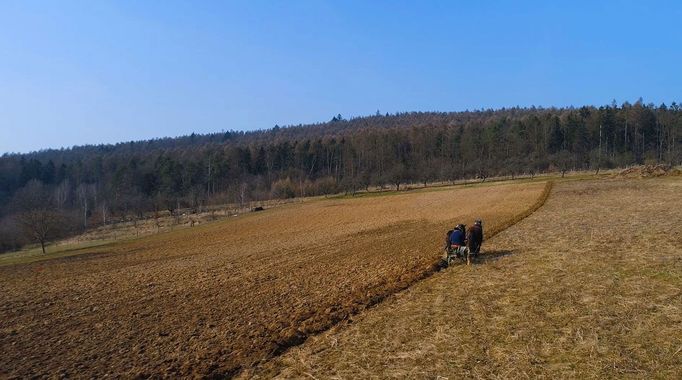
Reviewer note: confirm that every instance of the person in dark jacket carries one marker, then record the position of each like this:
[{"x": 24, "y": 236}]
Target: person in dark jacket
[{"x": 474, "y": 237}]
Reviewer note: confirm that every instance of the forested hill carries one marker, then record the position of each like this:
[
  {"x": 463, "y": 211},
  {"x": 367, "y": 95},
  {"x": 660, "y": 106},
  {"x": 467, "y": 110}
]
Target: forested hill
[{"x": 129, "y": 179}]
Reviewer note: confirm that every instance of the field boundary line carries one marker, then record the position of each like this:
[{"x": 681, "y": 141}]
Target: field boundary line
[
  {"x": 528, "y": 212},
  {"x": 398, "y": 286},
  {"x": 436, "y": 266}
]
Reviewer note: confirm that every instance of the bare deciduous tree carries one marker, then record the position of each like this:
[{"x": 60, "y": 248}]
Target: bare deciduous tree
[
  {"x": 243, "y": 191},
  {"x": 61, "y": 194},
  {"x": 105, "y": 210},
  {"x": 36, "y": 213},
  {"x": 84, "y": 192}
]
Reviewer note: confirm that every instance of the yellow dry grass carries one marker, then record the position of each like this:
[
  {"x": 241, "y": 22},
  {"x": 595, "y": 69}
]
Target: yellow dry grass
[
  {"x": 589, "y": 286},
  {"x": 214, "y": 299}
]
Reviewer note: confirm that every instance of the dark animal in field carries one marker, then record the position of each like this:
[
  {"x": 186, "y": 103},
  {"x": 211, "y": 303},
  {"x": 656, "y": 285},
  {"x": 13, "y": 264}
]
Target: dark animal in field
[{"x": 475, "y": 238}]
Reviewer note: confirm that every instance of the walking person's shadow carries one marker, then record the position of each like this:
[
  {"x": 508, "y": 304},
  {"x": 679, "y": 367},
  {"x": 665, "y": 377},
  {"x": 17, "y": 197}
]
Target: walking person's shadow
[{"x": 487, "y": 256}]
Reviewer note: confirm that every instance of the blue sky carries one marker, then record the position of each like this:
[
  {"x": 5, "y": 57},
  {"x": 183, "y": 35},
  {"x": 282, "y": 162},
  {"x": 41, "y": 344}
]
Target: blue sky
[{"x": 80, "y": 72}]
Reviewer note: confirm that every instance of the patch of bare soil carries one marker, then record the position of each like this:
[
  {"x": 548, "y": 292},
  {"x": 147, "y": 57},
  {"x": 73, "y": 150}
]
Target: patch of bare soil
[
  {"x": 589, "y": 286},
  {"x": 216, "y": 299}
]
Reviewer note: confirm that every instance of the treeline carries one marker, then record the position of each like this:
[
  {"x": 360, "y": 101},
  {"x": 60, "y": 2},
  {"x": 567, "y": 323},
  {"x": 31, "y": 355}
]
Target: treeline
[{"x": 71, "y": 189}]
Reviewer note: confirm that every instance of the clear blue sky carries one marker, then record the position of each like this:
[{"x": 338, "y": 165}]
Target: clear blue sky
[{"x": 107, "y": 71}]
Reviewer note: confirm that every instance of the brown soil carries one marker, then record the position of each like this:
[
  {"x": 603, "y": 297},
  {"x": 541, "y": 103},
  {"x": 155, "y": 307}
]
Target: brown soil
[
  {"x": 589, "y": 286},
  {"x": 216, "y": 299}
]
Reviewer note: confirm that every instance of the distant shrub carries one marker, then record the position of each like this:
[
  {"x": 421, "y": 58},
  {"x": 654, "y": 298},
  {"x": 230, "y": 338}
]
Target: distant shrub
[
  {"x": 283, "y": 189},
  {"x": 11, "y": 236},
  {"x": 326, "y": 186}
]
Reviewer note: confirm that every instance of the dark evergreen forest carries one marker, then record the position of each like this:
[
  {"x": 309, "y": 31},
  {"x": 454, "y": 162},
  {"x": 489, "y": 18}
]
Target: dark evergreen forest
[{"x": 71, "y": 189}]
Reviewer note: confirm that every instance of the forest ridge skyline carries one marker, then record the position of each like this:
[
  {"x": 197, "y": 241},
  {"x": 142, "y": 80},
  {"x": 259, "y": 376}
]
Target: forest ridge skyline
[{"x": 336, "y": 117}]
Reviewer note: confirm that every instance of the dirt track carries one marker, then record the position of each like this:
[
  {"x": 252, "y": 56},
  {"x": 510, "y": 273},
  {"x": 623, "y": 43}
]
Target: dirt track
[
  {"x": 215, "y": 299},
  {"x": 589, "y": 286}
]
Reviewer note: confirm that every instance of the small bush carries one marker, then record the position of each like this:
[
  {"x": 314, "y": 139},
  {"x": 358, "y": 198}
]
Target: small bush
[{"x": 283, "y": 189}]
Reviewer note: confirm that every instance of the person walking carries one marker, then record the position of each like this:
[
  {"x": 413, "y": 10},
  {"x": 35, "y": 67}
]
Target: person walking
[{"x": 474, "y": 237}]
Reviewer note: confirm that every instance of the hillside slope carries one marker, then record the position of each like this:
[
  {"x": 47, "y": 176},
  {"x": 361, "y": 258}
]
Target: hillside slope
[{"x": 86, "y": 186}]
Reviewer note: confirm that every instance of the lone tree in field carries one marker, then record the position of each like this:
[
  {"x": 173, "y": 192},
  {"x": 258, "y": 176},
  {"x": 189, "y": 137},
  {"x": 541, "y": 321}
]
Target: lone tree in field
[
  {"x": 36, "y": 214},
  {"x": 562, "y": 160}
]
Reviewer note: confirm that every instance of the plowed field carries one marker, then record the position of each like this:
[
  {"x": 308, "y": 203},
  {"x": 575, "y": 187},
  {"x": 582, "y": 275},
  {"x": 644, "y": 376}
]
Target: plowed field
[
  {"x": 211, "y": 300},
  {"x": 588, "y": 287}
]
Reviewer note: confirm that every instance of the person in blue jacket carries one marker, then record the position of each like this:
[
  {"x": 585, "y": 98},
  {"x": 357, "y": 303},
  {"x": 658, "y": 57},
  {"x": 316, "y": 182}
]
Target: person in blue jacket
[
  {"x": 455, "y": 243},
  {"x": 457, "y": 237}
]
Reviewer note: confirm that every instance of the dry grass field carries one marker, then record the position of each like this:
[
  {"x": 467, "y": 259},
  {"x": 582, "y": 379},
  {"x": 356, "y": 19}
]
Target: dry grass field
[
  {"x": 589, "y": 286},
  {"x": 219, "y": 298}
]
